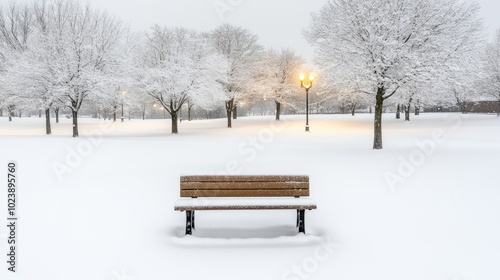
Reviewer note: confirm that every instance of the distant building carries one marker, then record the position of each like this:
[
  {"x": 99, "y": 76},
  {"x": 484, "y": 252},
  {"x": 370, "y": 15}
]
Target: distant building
[{"x": 483, "y": 107}]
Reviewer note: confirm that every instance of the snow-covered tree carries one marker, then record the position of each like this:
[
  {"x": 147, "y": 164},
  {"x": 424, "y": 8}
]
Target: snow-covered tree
[
  {"x": 32, "y": 73},
  {"x": 178, "y": 65},
  {"x": 16, "y": 28},
  {"x": 463, "y": 84},
  {"x": 241, "y": 51},
  {"x": 75, "y": 54},
  {"x": 384, "y": 44},
  {"x": 278, "y": 78},
  {"x": 491, "y": 81},
  {"x": 350, "y": 99},
  {"x": 86, "y": 45}
]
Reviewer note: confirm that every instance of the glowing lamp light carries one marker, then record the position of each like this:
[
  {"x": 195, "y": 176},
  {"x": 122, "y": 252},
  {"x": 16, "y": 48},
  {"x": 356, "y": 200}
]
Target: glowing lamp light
[{"x": 307, "y": 87}]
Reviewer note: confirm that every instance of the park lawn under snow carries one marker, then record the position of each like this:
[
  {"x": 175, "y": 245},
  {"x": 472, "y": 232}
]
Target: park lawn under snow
[{"x": 112, "y": 216}]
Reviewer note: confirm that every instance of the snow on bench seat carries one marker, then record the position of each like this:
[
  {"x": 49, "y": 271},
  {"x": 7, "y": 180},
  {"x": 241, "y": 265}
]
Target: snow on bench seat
[{"x": 238, "y": 203}]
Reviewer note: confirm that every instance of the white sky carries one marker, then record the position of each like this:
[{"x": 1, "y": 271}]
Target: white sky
[{"x": 278, "y": 23}]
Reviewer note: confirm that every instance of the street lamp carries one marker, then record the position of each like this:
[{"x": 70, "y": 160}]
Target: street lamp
[
  {"x": 307, "y": 87},
  {"x": 123, "y": 95}
]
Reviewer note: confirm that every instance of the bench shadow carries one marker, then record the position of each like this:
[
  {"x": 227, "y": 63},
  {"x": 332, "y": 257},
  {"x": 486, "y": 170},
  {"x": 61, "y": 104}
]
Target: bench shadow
[{"x": 275, "y": 236}]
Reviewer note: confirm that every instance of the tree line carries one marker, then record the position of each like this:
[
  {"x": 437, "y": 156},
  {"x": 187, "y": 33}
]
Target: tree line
[
  {"x": 62, "y": 54},
  {"x": 404, "y": 54}
]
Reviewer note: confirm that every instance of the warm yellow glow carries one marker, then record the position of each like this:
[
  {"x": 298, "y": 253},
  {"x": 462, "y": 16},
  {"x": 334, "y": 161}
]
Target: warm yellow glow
[
  {"x": 124, "y": 92},
  {"x": 154, "y": 105},
  {"x": 311, "y": 78},
  {"x": 302, "y": 77}
]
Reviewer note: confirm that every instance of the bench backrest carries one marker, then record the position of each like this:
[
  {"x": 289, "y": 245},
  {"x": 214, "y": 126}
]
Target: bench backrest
[{"x": 244, "y": 186}]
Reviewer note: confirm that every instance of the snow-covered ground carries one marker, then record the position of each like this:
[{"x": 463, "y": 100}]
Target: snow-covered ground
[{"x": 427, "y": 206}]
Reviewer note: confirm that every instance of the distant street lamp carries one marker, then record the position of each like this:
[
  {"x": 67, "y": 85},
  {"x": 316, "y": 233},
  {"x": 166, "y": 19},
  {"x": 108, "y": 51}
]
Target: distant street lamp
[
  {"x": 123, "y": 95},
  {"x": 307, "y": 87}
]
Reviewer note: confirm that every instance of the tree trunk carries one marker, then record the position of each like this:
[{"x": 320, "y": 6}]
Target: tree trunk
[
  {"x": 398, "y": 113},
  {"x": 377, "y": 138},
  {"x": 20, "y": 114},
  {"x": 498, "y": 112},
  {"x": 407, "y": 110},
  {"x": 10, "y": 111},
  {"x": 235, "y": 112},
  {"x": 463, "y": 107},
  {"x": 417, "y": 110},
  {"x": 190, "y": 106},
  {"x": 353, "y": 111},
  {"x": 174, "y": 122},
  {"x": 114, "y": 114},
  {"x": 47, "y": 122},
  {"x": 75, "y": 122},
  {"x": 39, "y": 113},
  {"x": 57, "y": 114},
  {"x": 278, "y": 110},
  {"x": 229, "y": 110}
]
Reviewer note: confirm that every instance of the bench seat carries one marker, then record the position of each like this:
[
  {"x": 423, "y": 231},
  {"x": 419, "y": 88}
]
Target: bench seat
[{"x": 238, "y": 203}]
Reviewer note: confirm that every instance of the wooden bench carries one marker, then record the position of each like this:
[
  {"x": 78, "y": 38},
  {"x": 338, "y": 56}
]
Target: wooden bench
[{"x": 244, "y": 193}]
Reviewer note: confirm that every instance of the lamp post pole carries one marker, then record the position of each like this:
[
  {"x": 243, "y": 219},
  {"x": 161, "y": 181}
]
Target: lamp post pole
[
  {"x": 123, "y": 95},
  {"x": 307, "y": 109},
  {"x": 307, "y": 87}
]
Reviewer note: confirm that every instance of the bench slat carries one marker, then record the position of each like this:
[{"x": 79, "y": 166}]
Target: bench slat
[
  {"x": 250, "y": 207},
  {"x": 242, "y": 185},
  {"x": 245, "y": 178},
  {"x": 245, "y": 193},
  {"x": 267, "y": 203}
]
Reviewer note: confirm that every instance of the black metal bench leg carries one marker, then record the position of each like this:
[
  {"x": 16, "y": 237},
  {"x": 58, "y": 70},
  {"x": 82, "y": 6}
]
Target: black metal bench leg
[
  {"x": 192, "y": 219},
  {"x": 189, "y": 220},
  {"x": 302, "y": 221}
]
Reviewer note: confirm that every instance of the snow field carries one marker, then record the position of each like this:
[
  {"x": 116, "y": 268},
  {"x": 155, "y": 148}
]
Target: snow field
[{"x": 111, "y": 215}]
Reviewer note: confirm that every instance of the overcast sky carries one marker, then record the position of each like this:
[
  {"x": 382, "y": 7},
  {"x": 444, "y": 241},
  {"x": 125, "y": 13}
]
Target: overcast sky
[{"x": 278, "y": 23}]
